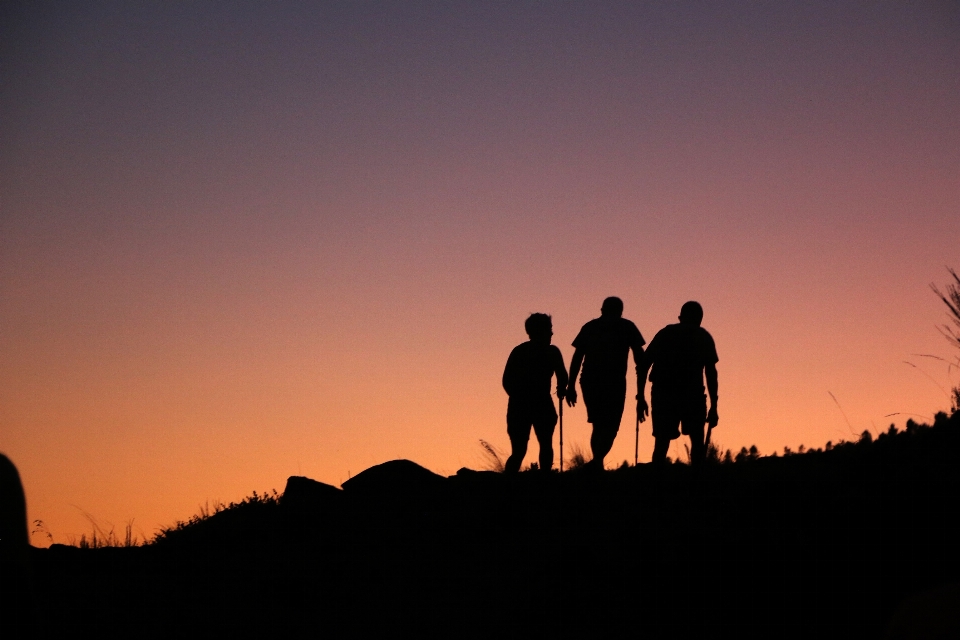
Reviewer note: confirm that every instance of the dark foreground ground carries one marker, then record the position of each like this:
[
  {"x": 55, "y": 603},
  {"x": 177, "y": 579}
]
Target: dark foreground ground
[{"x": 860, "y": 540}]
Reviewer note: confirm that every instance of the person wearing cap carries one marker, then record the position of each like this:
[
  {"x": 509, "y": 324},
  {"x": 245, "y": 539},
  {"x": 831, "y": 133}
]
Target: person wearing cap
[{"x": 681, "y": 356}]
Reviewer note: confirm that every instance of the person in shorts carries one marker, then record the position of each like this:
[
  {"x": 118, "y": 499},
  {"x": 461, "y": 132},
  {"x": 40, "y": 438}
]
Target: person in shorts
[
  {"x": 681, "y": 355},
  {"x": 526, "y": 379},
  {"x": 602, "y": 347}
]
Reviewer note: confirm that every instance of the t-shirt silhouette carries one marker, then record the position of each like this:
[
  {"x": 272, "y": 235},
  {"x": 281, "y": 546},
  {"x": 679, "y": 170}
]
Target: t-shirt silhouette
[
  {"x": 605, "y": 343},
  {"x": 529, "y": 369},
  {"x": 679, "y": 352}
]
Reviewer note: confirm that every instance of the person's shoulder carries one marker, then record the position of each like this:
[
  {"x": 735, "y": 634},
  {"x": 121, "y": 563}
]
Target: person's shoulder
[
  {"x": 674, "y": 334},
  {"x": 667, "y": 331},
  {"x": 588, "y": 329},
  {"x": 520, "y": 348},
  {"x": 705, "y": 336},
  {"x": 632, "y": 333},
  {"x": 709, "y": 346},
  {"x": 591, "y": 324},
  {"x": 553, "y": 353}
]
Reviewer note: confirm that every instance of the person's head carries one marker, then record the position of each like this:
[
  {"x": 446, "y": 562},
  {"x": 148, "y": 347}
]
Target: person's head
[
  {"x": 539, "y": 327},
  {"x": 691, "y": 313},
  {"x": 612, "y": 307}
]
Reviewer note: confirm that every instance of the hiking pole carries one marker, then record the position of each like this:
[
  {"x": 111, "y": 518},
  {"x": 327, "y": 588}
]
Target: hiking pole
[
  {"x": 561, "y": 435},
  {"x": 706, "y": 441},
  {"x": 636, "y": 444}
]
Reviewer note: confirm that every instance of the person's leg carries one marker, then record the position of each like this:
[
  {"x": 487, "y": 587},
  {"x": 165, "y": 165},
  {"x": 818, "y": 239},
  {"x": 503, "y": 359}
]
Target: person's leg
[
  {"x": 666, "y": 423},
  {"x": 544, "y": 432},
  {"x": 518, "y": 446},
  {"x": 544, "y": 424},
  {"x": 660, "y": 448},
  {"x": 596, "y": 444},
  {"x": 694, "y": 417},
  {"x": 609, "y": 402},
  {"x": 698, "y": 450},
  {"x": 601, "y": 440},
  {"x": 518, "y": 428}
]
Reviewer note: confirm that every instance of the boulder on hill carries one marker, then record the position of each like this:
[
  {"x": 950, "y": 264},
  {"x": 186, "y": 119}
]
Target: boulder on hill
[
  {"x": 14, "y": 540},
  {"x": 393, "y": 476},
  {"x": 303, "y": 493},
  {"x": 16, "y": 578}
]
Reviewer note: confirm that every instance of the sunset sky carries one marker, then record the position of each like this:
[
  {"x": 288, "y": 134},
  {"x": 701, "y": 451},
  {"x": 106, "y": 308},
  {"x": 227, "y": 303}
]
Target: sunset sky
[{"x": 243, "y": 241}]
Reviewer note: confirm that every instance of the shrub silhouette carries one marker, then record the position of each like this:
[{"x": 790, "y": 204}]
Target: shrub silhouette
[
  {"x": 227, "y": 526},
  {"x": 577, "y": 457},
  {"x": 714, "y": 453}
]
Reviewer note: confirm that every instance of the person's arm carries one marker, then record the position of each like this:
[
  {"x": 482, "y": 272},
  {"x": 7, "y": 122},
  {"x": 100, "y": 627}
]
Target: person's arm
[
  {"x": 643, "y": 366},
  {"x": 572, "y": 381},
  {"x": 638, "y": 358},
  {"x": 710, "y": 370},
  {"x": 510, "y": 375},
  {"x": 560, "y": 371}
]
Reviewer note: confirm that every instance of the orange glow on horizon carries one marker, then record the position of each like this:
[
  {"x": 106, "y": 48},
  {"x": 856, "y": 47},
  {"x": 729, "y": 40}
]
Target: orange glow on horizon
[{"x": 306, "y": 246}]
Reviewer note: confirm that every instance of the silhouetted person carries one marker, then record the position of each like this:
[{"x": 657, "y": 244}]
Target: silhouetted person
[
  {"x": 526, "y": 379},
  {"x": 602, "y": 346},
  {"x": 681, "y": 355}
]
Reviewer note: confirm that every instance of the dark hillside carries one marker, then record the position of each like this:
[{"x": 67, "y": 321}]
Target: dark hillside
[{"x": 791, "y": 543}]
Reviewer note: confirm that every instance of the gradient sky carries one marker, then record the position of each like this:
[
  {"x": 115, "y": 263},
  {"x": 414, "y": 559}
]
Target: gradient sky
[{"x": 243, "y": 241}]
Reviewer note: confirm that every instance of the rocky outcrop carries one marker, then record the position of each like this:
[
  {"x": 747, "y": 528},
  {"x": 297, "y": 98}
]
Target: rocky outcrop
[
  {"x": 303, "y": 493},
  {"x": 393, "y": 476},
  {"x": 13, "y": 513},
  {"x": 16, "y": 579}
]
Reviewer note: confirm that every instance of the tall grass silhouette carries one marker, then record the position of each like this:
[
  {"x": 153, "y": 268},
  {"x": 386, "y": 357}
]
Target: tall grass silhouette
[
  {"x": 493, "y": 457},
  {"x": 101, "y": 537},
  {"x": 578, "y": 458},
  {"x": 951, "y": 298}
]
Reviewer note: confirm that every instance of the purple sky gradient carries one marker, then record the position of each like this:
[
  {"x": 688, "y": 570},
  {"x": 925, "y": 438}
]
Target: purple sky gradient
[{"x": 240, "y": 242}]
